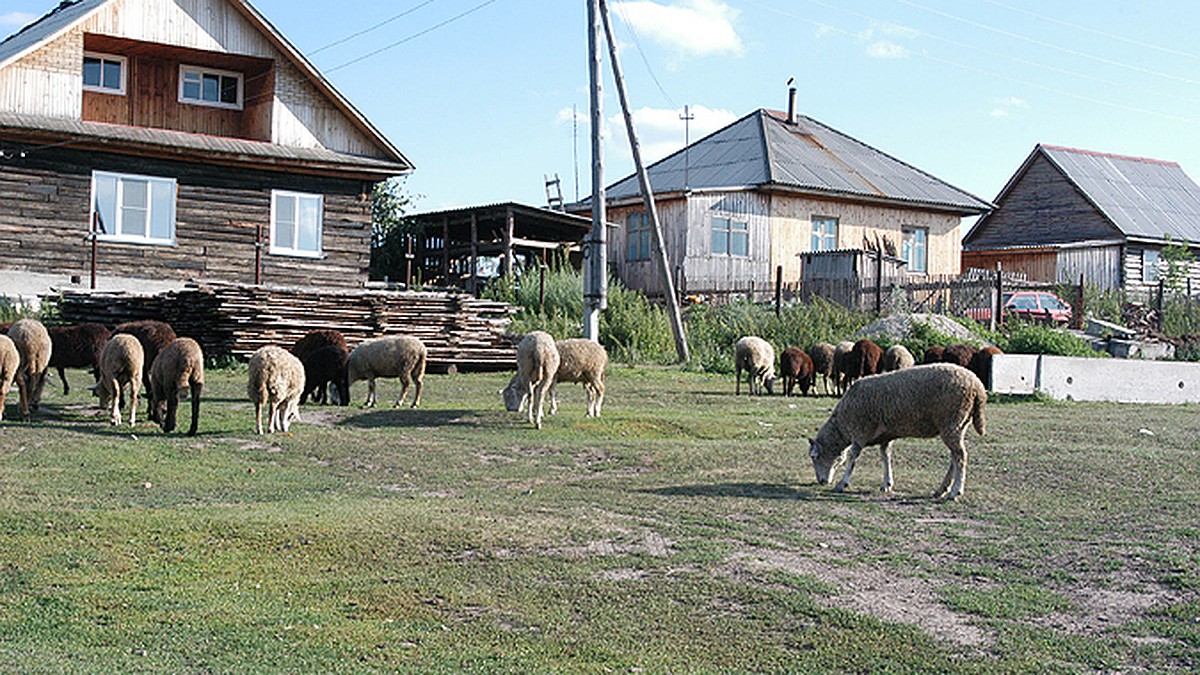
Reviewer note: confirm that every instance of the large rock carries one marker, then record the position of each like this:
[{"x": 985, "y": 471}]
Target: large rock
[{"x": 898, "y": 327}]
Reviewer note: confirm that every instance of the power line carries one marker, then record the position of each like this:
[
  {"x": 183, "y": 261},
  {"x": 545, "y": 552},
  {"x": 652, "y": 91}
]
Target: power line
[
  {"x": 638, "y": 43},
  {"x": 412, "y": 37},
  {"x": 364, "y": 31}
]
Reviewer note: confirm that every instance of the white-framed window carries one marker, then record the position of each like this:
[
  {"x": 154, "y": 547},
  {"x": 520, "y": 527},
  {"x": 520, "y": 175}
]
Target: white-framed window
[
  {"x": 637, "y": 237},
  {"x": 824, "y": 233},
  {"x": 914, "y": 248},
  {"x": 1151, "y": 272},
  {"x": 104, "y": 73},
  {"x": 730, "y": 237},
  {"x": 296, "y": 219},
  {"x": 209, "y": 86},
  {"x": 132, "y": 208}
]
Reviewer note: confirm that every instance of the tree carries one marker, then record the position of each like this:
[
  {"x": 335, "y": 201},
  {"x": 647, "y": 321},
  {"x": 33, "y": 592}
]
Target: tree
[
  {"x": 1179, "y": 263},
  {"x": 390, "y": 229}
]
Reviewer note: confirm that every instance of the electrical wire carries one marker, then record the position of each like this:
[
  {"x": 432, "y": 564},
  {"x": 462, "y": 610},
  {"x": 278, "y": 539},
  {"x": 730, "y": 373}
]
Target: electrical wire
[
  {"x": 364, "y": 31},
  {"x": 412, "y": 37},
  {"x": 638, "y": 44}
]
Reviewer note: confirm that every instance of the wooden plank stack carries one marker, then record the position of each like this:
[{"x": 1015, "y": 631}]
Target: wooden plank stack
[{"x": 461, "y": 332}]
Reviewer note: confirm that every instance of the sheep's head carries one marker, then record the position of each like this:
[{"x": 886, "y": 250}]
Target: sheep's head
[
  {"x": 769, "y": 383},
  {"x": 514, "y": 395},
  {"x": 828, "y": 451}
]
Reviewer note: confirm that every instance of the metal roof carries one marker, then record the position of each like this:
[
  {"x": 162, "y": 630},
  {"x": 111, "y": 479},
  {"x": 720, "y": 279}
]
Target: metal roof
[
  {"x": 530, "y": 223},
  {"x": 56, "y": 21},
  {"x": 1142, "y": 197},
  {"x": 762, "y": 150}
]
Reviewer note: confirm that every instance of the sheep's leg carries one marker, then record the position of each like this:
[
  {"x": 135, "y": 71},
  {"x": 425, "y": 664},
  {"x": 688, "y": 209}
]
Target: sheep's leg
[
  {"x": 62, "y": 375},
  {"x": 196, "y": 389},
  {"x": 417, "y": 392},
  {"x": 554, "y": 397},
  {"x": 114, "y": 410},
  {"x": 23, "y": 393},
  {"x": 956, "y": 478},
  {"x": 737, "y": 389},
  {"x": 855, "y": 449},
  {"x": 885, "y": 454},
  {"x": 539, "y": 400},
  {"x": 133, "y": 394},
  {"x": 599, "y": 388},
  {"x": 406, "y": 383},
  {"x": 370, "y": 393}
]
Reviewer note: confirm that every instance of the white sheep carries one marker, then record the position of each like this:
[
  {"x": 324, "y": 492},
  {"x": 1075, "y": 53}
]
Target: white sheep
[
  {"x": 10, "y": 361},
  {"x": 122, "y": 361},
  {"x": 177, "y": 370},
  {"x": 276, "y": 382},
  {"x": 537, "y": 365},
  {"x": 896, "y": 357},
  {"x": 391, "y": 356},
  {"x": 581, "y": 360},
  {"x": 920, "y": 402},
  {"x": 34, "y": 347},
  {"x": 756, "y": 356}
]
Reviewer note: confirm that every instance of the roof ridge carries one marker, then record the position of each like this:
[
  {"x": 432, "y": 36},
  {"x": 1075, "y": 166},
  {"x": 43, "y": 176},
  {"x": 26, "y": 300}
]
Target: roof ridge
[{"x": 1096, "y": 153}]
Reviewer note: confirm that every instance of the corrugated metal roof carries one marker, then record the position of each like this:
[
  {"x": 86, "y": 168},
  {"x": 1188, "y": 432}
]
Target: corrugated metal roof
[
  {"x": 1142, "y": 197},
  {"x": 58, "y": 19},
  {"x": 763, "y": 150}
]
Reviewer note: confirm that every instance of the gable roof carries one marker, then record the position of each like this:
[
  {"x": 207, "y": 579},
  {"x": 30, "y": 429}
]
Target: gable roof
[
  {"x": 1142, "y": 198},
  {"x": 70, "y": 13},
  {"x": 763, "y": 151}
]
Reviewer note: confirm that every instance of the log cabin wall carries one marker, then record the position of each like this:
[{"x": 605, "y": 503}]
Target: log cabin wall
[{"x": 45, "y": 222}]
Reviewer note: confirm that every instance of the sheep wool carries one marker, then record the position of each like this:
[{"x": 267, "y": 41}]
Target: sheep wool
[
  {"x": 581, "y": 360},
  {"x": 537, "y": 366},
  {"x": 177, "y": 370},
  {"x": 920, "y": 402},
  {"x": 895, "y": 358},
  {"x": 392, "y": 356},
  {"x": 275, "y": 382},
  {"x": 10, "y": 360},
  {"x": 821, "y": 354},
  {"x": 34, "y": 348},
  {"x": 756, "y": 356},
  {"x": 77, "y": 346},
  {"x": 121, "y": 363}
]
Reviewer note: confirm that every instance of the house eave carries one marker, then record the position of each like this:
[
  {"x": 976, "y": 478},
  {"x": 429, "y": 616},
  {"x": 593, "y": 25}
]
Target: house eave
[{"x": 960, "y": 210}]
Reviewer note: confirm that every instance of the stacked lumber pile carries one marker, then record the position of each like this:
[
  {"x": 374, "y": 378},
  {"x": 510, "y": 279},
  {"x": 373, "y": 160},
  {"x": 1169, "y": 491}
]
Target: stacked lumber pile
[{"x": 460, "y": 331}]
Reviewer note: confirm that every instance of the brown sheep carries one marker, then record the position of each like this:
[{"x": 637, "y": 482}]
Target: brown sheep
[
  {"x": 841, "y": 358},
  {"x": 10, "y": 361},
  {"x": 822, "y": 358},
  {"x": 177, "y": 370},
  {"x": 796, "y": 367},
  {"x": 34, "y": 347},
  {"x": 981, "y": 365},
  {"x": 959, "y": 354},
  {"x": 312, "y": 341},
  {"x": 933, "y": 354},
  {"x": 863, "y": 360},
  {"x": 77, "y": 346}
]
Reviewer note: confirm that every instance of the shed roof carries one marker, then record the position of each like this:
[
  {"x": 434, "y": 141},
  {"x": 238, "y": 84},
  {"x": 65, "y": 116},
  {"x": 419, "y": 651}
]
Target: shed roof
[
  {"x": 531, "y": 224},
  {"x": 763, "y": 151}
]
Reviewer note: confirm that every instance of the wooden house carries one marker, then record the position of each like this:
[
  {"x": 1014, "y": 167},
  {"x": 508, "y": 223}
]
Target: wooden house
[
  {"x": 181, "y": 139},
  {"x": 1068, "y": 213},
  {"x": 770, "y": 188}
]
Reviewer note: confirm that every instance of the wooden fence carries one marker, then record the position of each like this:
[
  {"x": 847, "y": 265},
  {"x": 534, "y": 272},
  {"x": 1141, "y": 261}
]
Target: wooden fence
[{"x": 461, "y": 332}]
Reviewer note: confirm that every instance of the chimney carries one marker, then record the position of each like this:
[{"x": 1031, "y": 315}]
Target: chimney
[{"x": 791, "y": 118}]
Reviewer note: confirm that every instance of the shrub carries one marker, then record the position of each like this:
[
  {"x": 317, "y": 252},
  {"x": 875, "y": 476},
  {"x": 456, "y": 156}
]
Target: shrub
[{"x": 1029, "y": 338}]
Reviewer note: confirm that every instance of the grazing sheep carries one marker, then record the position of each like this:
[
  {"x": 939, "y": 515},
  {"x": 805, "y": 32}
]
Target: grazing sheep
[
  {"x": 841, "y": 354},
  {"x": 959, "y": 354},
  {"x": 154, "y": 336},
  {"x": 121, "y": 363},
  {"x": 276, "y": 381},
  {"x": 923, "y": 402},
  {"x": 392, "y": 356},
  {"x": 77, "y": 346},
  {"x": 581, "y": 360},
  {"x": 537, "y": 366},
  {"x": 177, "y": 370},
  {"x": 863, "y": 360},
  {"x": 311, "y": 342},
  {"x": 10, "y": 361},
  {"x": 795, "y": 367},
  {"x": 895, "y": 358},
  {"x": 326, "y": 366},
  {"x": 34, "y": 347},
  {"x": 981, "y": 365},
  {"x": 822, "y": 358},
  {"x": 756, "y": 356},
  {"x": 934, "y": 354}
]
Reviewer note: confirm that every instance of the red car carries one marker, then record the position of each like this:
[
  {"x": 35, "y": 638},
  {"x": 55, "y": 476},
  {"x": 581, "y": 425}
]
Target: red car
[{"x": 1038, "y": 306}]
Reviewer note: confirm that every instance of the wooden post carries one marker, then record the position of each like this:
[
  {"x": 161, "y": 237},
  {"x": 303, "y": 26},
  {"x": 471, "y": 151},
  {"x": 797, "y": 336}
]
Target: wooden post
[
  {"x": 408, "y": 263},
  {"x": 595, "y": 251},
  {"x": 1161, "y": 289},
  {"x": 506, "y": 267},
  {"x": 1079, "y": 311},
  {"x": 258, "y": 247},
  {"x": 879, "y": 282},
  {"x": 998, "y": 300},
  {"x": 542, "y": 283},
  {"x": 94, "y": 236},
  {"x": 778, "y": 290},
  {"x": 446, "y": 250},
  {"x": 472, "y": 287}
]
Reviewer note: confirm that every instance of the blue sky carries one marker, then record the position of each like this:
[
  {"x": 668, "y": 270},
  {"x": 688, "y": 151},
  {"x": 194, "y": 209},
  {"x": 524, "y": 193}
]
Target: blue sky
[{"x": 480, "y": 94}]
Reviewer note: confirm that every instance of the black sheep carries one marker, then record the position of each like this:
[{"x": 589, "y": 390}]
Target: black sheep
[
  {"x": 77, "y": 346},
  {"x": 323, "y": 366}
]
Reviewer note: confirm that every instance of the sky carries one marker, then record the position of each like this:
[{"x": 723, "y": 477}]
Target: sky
[{"x": 489, "y": 97}]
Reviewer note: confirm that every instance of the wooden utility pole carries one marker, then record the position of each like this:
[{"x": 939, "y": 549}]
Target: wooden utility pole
[
  {"x": 595, "y": 257},
  {"x": 668, "y": 282}
]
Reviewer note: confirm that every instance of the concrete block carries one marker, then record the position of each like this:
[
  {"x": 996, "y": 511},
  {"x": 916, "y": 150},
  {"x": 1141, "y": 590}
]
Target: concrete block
[
  {"x": 1118, "y": 380},
  {"x": 1014, "y": 373}
]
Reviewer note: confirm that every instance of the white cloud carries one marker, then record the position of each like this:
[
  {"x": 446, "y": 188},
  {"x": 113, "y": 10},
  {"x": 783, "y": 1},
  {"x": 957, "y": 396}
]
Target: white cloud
[
  {"x": 661, "y": 131},
  {"x": 688, "y": 27},
  {"x": 884, "y": 49},
  {"x": 16, "y": 19},
  {"x": 1006, "y": 106},
  {"x": 884, "y": 40}
]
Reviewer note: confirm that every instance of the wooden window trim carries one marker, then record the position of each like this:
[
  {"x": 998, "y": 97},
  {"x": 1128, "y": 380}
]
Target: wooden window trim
[
  {"x": 290, "y": 250},
  {"x": 112, "y": 58},
  {"x": 185, "y": 69}
]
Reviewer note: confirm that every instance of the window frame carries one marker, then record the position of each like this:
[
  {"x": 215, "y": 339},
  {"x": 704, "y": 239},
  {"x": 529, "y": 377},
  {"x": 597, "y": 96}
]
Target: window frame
[
  {"x": 122, "y": 61},
  {"x": 120, "y": 208},
  {"x": 638, "y": 244},
  {"x": 275, "y": 247},
  {"x": 732, "y": 230},
  {"x": 185, "y": 69},
  {"x": 825, "y": 237},
  {"x": 907, "y": 246},
  {"x": 1151, "y": 266}
]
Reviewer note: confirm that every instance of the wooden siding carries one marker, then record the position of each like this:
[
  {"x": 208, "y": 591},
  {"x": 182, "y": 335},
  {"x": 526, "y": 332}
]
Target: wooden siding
[
  {"x": 1039, "y": 264},
  {"x": 1098, "y": 265},
  {"x": 45, "y": 206},
  {"x": 49, "y": 81},
  {"x": 1041, "y": 207}
]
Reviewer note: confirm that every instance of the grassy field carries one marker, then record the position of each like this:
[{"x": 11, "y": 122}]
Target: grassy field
[{"x": 683, "y": 531}]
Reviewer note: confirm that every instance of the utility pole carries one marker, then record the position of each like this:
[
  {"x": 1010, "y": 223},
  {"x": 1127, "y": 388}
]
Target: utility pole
[
  {"x": 687, "y": 118},
  {"x": 668, "y": 282},
  {"x": 595, "y": 258}
]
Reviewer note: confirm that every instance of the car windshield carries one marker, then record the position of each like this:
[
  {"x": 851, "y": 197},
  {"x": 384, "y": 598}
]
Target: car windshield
[
  {"x": 1050, "y": 301},
  {"x": 1023, "y": 302}
]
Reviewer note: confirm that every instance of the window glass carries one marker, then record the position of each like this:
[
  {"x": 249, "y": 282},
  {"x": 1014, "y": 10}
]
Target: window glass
[
  {"x": 914, "y": 249},
  {"x": 135, "y": 209},
  {"x": 1050, "y": 302},
  {"x": 637, "y": 237},
  {"x": 104, "y": 73},
  {"x": 1024, "y": 302},
  {"x": 296, "y": 223},
  {"x": 739, "y": 238},
  {"x": 112, "y": 75},
  {"x": 104, "y": 202},
  {"x": 92, "y": 71},
  {"x": 720, "y": 236},
  {"x": 824, "y": 233},
  {"x": 206, "y": 86},
  {"x": 1150, "y": 271}
]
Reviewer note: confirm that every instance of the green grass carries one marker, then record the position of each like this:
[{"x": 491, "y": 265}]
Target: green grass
[{"x": 683, "y": 531}]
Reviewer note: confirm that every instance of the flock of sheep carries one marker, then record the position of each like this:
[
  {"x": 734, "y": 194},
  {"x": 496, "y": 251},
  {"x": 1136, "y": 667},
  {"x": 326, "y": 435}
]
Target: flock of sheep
[{"x": 884, "y": 396}]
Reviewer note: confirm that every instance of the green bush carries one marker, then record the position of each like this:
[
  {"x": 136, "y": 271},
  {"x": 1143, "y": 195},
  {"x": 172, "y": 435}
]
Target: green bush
[{"x": 1030, "y": 338}]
